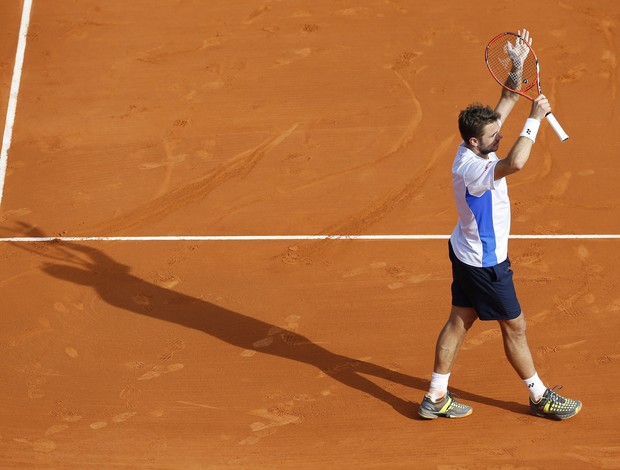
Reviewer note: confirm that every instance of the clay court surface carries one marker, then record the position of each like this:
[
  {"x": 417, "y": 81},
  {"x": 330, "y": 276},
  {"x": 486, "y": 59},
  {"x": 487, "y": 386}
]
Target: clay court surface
[{"x": 230, "y": 118}]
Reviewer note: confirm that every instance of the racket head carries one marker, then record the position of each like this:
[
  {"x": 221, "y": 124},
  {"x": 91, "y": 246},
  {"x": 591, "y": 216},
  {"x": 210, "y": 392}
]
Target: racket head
[{"x": 499, "y": 56}]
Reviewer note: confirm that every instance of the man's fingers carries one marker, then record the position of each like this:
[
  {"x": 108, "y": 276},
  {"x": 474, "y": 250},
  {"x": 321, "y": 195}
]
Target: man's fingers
[
  {"x": 542, "y": 102},
  {"x": 526, "y": 36}
]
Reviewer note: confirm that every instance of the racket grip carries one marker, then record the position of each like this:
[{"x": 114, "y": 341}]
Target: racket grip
[{"x": 557, "y": 127}]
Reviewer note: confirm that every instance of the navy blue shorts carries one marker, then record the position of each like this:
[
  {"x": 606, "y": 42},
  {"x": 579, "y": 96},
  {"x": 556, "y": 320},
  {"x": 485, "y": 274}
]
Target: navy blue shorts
[{"x": 490, "y": 291}]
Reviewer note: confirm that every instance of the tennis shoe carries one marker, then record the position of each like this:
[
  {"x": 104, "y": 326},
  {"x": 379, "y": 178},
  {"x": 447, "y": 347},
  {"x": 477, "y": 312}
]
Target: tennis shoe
[
  {"x": 554, "y": 406},
  {"x": 447, "y": 407}
]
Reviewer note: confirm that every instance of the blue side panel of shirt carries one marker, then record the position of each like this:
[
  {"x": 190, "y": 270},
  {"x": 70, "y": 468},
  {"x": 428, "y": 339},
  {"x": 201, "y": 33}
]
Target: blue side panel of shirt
[{"x": 482, "y": 208}]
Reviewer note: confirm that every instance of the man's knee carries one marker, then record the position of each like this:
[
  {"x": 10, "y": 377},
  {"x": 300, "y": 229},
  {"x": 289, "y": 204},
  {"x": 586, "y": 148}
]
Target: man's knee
[
  {"x": 514, "y": 328},
  {"x": 463, "y": 317}
]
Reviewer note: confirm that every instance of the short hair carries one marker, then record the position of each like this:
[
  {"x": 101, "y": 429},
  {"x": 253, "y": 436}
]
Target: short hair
[{"x": 474, "y": 118}]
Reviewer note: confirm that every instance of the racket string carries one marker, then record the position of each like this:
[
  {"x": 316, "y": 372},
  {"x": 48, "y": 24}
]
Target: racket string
[{"x": 505, "y": 66}]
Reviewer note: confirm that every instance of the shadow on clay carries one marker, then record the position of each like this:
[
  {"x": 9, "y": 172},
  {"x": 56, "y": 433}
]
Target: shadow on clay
[{"x": 117, "y": 286}]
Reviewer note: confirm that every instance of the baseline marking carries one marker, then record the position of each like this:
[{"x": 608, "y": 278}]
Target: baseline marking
[
  {"x": 293, "y": 237},
  {"x": 12, "y": 106}
]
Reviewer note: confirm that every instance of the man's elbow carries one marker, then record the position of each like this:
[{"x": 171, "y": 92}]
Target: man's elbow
[{"x": 507, "y": 169}]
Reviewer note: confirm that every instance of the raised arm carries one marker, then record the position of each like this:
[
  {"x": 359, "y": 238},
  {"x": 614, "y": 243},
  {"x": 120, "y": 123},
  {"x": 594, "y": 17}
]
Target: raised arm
[
  {"x": 520, "y": 152},
  {"x": 518, "y": 53}
]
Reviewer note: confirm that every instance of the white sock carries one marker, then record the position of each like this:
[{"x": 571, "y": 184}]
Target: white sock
[
  {"x": 535, "y": 386},
  {"x": 439, "y": 386}
]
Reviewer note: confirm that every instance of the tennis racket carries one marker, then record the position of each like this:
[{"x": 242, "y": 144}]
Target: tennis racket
[{"x": 513, "y": 63}]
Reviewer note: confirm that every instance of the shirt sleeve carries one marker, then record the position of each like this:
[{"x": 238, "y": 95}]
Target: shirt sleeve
[{"x": 479, "y": 176}]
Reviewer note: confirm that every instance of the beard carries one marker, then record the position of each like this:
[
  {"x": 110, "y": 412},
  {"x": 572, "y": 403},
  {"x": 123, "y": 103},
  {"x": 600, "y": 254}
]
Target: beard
[{"x": 490, "y": 149}]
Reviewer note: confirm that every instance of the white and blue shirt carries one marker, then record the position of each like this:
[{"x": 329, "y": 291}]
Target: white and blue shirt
[{"x": 480, "y": 237}]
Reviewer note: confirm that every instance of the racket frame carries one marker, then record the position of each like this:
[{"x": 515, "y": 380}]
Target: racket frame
[{"x": 523, "y": 92}]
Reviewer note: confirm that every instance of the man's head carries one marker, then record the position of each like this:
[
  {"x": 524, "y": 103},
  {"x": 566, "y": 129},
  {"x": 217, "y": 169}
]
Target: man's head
[{"x": 479, "y": 127}]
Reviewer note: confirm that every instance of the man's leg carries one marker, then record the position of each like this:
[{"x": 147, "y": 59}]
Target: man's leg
[
  {"x": 438, "y": 401},
  {"x": 544, "y": 402},
  {"x": 451, "y": 337},
  {"x": 519, "y": 355},
  {"x": 516, "y": 347}
]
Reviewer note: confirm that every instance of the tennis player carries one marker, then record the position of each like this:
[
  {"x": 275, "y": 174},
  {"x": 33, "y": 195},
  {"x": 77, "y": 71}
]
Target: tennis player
[{"x": 482, "y": 286}]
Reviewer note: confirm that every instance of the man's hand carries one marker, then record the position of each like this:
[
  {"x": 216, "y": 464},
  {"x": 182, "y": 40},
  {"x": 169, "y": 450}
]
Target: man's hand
[
  {"x": 540, "y": 108},
  {"x": 519, "y": 51}
]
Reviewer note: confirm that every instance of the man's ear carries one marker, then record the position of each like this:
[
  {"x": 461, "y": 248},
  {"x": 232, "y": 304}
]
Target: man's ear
[{"x": 473, "y": 142}]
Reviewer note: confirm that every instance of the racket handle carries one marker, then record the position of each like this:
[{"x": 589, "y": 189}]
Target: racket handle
[{"x": 556, "y": 127}]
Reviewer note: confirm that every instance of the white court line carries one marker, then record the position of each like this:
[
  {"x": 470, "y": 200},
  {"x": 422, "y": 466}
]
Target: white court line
[
  {"x": 294, "y": 237},
  {"x": 12, "y": 106}
]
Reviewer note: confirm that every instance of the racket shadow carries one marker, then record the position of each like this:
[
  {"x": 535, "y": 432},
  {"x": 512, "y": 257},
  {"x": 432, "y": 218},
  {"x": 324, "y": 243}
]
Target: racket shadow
[{"x": 116, "y": 285}]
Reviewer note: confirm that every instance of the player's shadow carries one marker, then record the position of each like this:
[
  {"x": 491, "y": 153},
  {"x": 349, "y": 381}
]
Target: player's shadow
[{"x": 117, "y": 286}]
